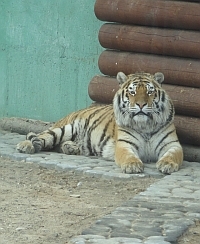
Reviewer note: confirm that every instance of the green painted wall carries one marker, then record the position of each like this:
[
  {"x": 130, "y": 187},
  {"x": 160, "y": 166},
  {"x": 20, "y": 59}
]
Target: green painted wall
[{"x": 48, "y": 54}]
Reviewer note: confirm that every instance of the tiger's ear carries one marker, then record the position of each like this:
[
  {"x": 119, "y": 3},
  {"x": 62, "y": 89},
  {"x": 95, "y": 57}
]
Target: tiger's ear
[
  {"x": 159, "y": 77},
  {"x": 121, "y": 77}
]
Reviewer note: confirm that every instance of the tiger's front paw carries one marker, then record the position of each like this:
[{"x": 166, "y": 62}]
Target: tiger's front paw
[
  {"x": 167, "y": 166},
  {"x": 25, "y": 147},
  {"x": 132, "y": 167}
]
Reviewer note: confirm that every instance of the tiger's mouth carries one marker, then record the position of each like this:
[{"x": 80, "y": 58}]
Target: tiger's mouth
[{"x": 141, "y": 113}]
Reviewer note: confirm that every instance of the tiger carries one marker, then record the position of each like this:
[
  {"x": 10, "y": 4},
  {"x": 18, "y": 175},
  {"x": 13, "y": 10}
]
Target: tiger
[{"x": 137, "y": 128}]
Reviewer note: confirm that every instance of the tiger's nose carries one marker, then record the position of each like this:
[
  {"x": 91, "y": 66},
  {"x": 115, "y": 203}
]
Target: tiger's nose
[{"x": 141, "y": 105}]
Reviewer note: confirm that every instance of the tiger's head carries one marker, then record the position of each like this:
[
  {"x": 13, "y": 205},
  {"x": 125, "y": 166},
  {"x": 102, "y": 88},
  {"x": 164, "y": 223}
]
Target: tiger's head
[{"x": 141, "y": 101}]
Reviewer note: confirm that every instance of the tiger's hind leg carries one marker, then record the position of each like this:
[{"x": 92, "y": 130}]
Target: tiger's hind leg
[
  {"x": 46, "y": 140},
  {"x": 69, "y": 148}
]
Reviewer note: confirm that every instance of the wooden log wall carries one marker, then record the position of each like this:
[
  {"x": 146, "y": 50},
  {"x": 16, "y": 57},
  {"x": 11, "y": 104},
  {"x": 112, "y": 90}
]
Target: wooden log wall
[{"x": 153, "y": 36}]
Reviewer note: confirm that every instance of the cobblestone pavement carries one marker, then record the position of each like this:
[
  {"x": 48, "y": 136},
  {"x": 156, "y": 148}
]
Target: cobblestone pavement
[{"x": 158, "y": 215}]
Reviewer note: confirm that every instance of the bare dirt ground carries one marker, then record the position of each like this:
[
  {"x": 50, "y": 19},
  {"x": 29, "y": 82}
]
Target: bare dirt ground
[{"x": 39, "y": 205}]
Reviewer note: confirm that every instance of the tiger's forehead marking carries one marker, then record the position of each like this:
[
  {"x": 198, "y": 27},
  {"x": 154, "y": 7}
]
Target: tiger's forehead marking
[{"x": 133, "y": 86}]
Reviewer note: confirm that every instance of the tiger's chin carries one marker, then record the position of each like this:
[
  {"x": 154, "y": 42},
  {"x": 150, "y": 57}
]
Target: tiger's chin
[{"x": 141, "y": 119}]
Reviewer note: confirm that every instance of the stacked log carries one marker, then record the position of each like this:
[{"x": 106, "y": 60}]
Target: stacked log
[
  {"x": 153, "y": 36},
  {"x": 177, "y": 71},
  {"x": 159, "y": 13},
  {"x": 179, "y": 43}
]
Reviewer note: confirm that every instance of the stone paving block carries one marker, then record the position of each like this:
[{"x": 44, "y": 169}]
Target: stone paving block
[
  {"x": 3, "y": 145},
  {"x": 7, "y": 152},
  {"x": 193, "y": 215},
  {"x": 184, "y": 195},
  {"x": 129, "y": 216},
  {"x": 122, "y": 240},
  {"x": 192, "y": 187},
  {"x": 40, "y": 154},
  {"x": 114, "y": 223},
  {"x": 48, "y": 164},
  {"x": 115, "y": 176},
  {"x": 146, "y": 233},
  {"x": 197, "y": 180},
  {"x": 65, "y": 166},
  {"x": 77, "y": 240},
  {"x": 195, "y": 195},
  {"x": 197, "y": 192},
  {"x": 54, "y": 156},
  {"x": 154, "y": 174},
  {"x": 18, "y": 156},
  {"x": 115, "y": 170},
  {"x": 95, "y": 162},
  {"x": 92, "y": 172},
  {"x": 97, "y": 230},
  {"x": 80, "y": 170},
  {"x": 35, "y": 159},
  {"x": 156, "y": 240},
  {"x": 157, "y": 192},
  {"x": 127, "y": 209},
  {"x": 117, "y": 240},
  {"x": 95, "y": 237},
  {"x": 84, "y": 238},
  {"x": 172, "y": 215},
  {"x": 182, "y": 190},
  {"x": 125, "y": 233},
  {"x": 173, "y": 232},
  {"x": 196, "y": 173},
  {"x": 13, "y": 141},
  {"x": 107, "y": 164},
  {"x": 146, "y": 229},
  {"x": 103, "y": 169}
]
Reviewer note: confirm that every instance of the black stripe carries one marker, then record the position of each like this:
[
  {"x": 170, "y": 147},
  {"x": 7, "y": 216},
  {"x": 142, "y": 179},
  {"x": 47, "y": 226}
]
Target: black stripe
[
  {"x": 99, "y": 120},
  {"x": 54, "y": 136},
  {"x": 171, "y": 115},
  {"x": 163, "y": 96},
  {"x": 129, "y": 142},
  {"x": 94, "y": 125},
  {"x": 122, "y": 96},
  {"x": 94, "y": 152},
  {"x": 165, "y": 146},
  {"x": 127, "y": 132},
  {"x": 31, "y": 137},
  {"x": 62, "y": 133},
  {"x": 104, "y": 132},
  {"x": 104, "y": 143},
  {"x": 89, "y": 145},
  {"x": 87, "y": 120},
  {"x": 164, "y": 137},
  {"x": 114, "y": 126},
  {"x": 73, "y": 132},
  {"x": 43, "y": 142},
  {"x": 118, "y": 101},
  {"x": 158, "y": 96}
]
